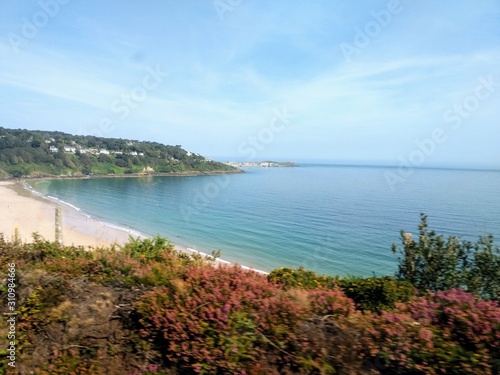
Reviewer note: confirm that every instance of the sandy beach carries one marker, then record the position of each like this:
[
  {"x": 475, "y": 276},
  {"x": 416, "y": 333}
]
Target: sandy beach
[
  {"x": 28, "y": 213},
  {"x": 23, "y": 211}
]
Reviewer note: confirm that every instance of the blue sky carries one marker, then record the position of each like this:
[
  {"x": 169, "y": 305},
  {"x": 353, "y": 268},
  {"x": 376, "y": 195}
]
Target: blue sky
[{"x": 365, "y": 82}]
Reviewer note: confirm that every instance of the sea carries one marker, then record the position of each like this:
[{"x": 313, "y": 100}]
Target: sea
[{"x": 334, "y": 220}]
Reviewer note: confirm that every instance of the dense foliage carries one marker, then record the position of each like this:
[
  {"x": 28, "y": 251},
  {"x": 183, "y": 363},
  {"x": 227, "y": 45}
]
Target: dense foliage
[
  {"x": 148, "y": 309},
  {"x": 40, "y": 153},
  {"x": 433, "y": 263},
  {"x": 372, "y": 293}
]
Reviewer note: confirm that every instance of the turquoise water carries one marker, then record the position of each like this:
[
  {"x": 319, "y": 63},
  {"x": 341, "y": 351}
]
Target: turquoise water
[{"x": 330, "y": 219}]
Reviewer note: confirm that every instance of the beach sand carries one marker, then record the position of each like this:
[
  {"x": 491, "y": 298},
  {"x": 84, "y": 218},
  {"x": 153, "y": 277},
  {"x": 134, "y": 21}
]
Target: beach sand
[
  {"x": 28, "y": 213},
  {"x": 23, "y": 211}
]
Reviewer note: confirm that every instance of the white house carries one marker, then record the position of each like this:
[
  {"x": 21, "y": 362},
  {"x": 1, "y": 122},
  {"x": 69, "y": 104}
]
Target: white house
[
  {"x": 53, "y": 149},
  {"x": 70, "y": 149},
  {"x": 103, "y": 151}
]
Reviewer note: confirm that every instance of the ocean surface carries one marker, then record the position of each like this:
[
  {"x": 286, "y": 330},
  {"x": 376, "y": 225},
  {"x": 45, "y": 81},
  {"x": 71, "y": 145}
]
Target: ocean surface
[{"x": 335, "y": 220}]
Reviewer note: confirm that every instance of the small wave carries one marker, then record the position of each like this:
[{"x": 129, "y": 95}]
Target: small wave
[
  {"x": 64, "y": 202},
  {"x": 226, "y": 262},
  {"x": 30, "y": 188},
  {"x": 132, "y": 232}
]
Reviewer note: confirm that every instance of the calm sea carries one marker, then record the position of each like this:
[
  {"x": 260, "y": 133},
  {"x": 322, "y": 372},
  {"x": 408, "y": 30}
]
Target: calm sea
[{"x": 334, "y": 220}]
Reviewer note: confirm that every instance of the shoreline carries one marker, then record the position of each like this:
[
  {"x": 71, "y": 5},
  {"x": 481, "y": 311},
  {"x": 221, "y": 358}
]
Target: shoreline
[
  {"x": 24, "y": 208},
  {"x": 25, "y": 212},
  {"x": 131, "y": 175}
]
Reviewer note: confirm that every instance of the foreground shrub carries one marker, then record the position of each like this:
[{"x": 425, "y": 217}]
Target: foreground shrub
[
  {"x": 226, "y": 320},
  {"x": 330, "y": 302},
  {"x": 112, "y": 312},
  {"x": 157, "y": 248},
  {"x": 300, "y": 278},
  {"x": 451, "y": 332},
  {"x": 373, "y": 293},
  {"x": 217, "y": 319},
  {"x": 434, "y": 263},
  {"x": 376, "y": 293}
]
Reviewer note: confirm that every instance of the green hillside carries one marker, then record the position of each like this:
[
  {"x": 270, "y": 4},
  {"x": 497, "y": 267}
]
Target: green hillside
[{"x": 26, "y": 153}]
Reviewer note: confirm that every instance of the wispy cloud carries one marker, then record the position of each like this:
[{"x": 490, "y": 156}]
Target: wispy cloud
[{"x": 225, "y": 77}]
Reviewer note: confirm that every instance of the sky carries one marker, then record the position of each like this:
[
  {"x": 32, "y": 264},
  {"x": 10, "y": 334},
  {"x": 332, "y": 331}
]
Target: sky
[{"x": 367, "y": 82}]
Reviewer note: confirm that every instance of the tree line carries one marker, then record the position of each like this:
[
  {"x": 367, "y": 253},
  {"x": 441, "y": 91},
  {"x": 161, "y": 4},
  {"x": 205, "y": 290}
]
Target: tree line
[{"x": 33, "y": 153}]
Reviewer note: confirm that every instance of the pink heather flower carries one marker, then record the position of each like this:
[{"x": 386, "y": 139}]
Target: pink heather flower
[
  {"x": 153, "y": 368},
  {"x": 425, "y": 334},
  {"x": 226, "y": 308}
]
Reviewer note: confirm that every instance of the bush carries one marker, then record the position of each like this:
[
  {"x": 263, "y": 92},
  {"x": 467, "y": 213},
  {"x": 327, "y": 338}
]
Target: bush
[
  {"x": 451, "y": 330},
  {"x": 150, "y": 310},
  {"x": 300, "y": 278},
  {"x": 435, "y": 264},
  {"x": 156, "y": 248},
  {"x": 218, "y": 319},
  {"x": 376, "y": 293}
]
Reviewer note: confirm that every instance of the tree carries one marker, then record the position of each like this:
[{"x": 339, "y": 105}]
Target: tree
[
  {"x": 85, "y": 160},
  {"x": 484, "y": 277},
  {"x": 103, "y": 158},
  {"x": 32, "y": 150},
  {"x": 121, "y": 163},
  {"x": 68, "y": 161},
  {"x": 434, "y": 263}
]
